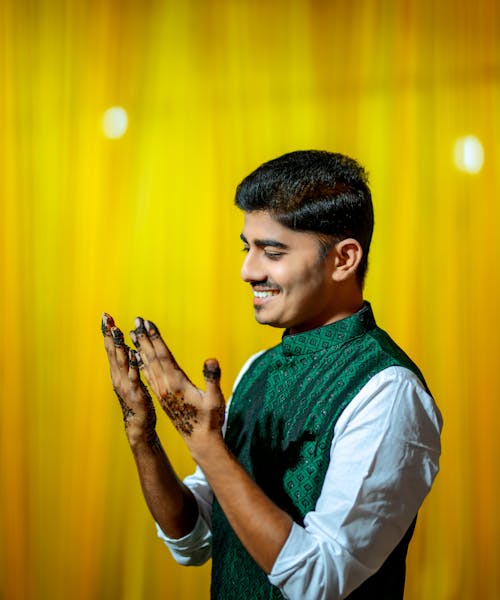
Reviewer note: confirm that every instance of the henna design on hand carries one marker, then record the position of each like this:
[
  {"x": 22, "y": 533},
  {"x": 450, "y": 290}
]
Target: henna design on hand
[
  {"x": 139, "y": 330},
  {"x": 152, "y": 329},
  {"x": 118, "y": 339},
  {"x": 106, "y": 323},
  {"x": 128, "y": 413},
  {"x": 132, "y": 358},
  {"x": 211, "y": 374},
  {"x": 151, "y": 436},
  {"x": 182, "y": 414}
]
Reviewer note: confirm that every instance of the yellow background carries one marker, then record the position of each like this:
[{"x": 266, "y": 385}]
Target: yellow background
[{"x": 145, "y": 225}]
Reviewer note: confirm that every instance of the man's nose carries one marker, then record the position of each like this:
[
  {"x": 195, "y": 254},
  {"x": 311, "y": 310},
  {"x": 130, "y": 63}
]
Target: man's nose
[{"x": 252, "y": 270}]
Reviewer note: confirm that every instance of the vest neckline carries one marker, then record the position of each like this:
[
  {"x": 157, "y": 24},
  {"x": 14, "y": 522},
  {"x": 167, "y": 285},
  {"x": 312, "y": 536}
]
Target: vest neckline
[{"x": 330, "y": 336}]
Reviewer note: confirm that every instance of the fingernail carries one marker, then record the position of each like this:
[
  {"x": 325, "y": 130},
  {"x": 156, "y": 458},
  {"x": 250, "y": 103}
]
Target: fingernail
[
  {"x": 211, "y": 371},
  {"x": 139, "y": 325},
  {"x": 134, "y": 339},
  {"x": 117, "y": 336},
  {"x": 151, "y": 327},
  {"x": 106, "y": 322},
  {"x": 132, "y": 360}
]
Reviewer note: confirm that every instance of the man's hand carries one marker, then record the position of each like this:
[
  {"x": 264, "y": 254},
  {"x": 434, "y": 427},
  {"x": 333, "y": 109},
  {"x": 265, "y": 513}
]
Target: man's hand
[
  {"x": 198, "y": 416},
  {"x": 135, "y": 401},
  {"x": 171, "y": 503}
]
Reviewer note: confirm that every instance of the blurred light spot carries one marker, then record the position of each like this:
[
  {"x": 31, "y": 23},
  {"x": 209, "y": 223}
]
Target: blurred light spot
[
  {"x": 115, "y": 122},
  {"x": 468, "y": 154}
]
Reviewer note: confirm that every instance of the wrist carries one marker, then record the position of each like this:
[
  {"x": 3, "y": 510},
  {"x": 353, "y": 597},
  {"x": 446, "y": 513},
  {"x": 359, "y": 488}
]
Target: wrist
[
  {"x": 207, "y": 449},
  {"x": 140, "y": 440}
]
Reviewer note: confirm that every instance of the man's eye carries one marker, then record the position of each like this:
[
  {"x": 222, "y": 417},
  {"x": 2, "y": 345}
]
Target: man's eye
[{"x": 273, "y": 255}]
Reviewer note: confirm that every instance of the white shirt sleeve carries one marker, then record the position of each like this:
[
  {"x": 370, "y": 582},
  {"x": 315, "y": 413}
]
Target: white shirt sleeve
[
  {"x": 383, "y": 460},
  {"x": 195, "y": 548}
]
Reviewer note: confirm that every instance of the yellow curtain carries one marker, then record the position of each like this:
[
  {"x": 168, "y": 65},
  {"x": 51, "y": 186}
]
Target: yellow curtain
[{"x": 144, "y": 224}]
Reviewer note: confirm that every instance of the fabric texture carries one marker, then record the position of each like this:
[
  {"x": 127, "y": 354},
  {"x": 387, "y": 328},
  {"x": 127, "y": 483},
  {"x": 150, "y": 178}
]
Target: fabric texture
[{"x": 280, "y": 428}]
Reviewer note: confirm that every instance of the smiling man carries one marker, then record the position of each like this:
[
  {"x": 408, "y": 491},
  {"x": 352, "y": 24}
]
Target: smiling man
[{"x": 309, "y": 483}]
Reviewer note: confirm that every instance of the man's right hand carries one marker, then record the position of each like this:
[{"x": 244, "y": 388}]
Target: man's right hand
[{"x": 135, "y": 401}]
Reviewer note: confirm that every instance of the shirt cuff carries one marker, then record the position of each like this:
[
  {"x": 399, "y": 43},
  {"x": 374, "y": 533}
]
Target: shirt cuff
[{"x": 195, "y": 548}]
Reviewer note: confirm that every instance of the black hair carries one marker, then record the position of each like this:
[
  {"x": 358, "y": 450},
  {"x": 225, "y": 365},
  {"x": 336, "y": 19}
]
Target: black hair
[{"x": 316, "y": 191}]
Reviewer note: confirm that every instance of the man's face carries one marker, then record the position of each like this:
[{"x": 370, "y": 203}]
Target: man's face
[{"x": 292, "y": 285}]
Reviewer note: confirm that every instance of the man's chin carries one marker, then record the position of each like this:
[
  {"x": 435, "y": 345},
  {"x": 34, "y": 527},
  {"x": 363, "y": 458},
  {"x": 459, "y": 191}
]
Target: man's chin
[{"x": 262, "y": 319}]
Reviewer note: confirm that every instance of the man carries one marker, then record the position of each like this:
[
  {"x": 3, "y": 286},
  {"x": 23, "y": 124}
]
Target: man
[{"x": 311, "y": 487}]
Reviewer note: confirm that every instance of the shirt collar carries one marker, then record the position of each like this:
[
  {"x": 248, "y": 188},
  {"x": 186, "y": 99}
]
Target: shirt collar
[{"x": 330, "y": 336}]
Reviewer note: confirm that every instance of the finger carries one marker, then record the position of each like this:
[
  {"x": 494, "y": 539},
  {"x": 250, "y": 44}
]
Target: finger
[
  {"x": 162, "y": 351},
  {"x": 106, "y": 323},
  {"x": 155, "y": 353},
  {"x": 117, "y": 336},
  {"x": 141, "y": 341},
  {"x": 146, "y": 356},
  {"x": 133, "y": 366},
  {"x": 212, "y": 374},
  {"x": 121, "y": 349},
  {"x": 139, "y": 337},
  {"x": 139, "y": 334},
  {"x": 152, "y": 330}
]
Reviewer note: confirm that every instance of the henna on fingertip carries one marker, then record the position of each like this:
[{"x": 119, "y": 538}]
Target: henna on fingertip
[
  {"x": 118, "y": 338},
  {"x": 106, "y": 323},
  {"x": 132, "y": 358},
  {"x": 140, "y": 328},
  {"x": 152, "y": 330},
  {"x": 212, "y": 372},
  {"x": 133, "y": 337}
]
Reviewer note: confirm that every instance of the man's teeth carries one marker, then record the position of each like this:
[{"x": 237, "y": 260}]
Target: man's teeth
[{"x": 264, "y": 294}]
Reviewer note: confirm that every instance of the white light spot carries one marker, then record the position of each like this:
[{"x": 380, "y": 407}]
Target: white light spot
[
  {"x": 115, "y": 122},
  {"x": 469, "y": 155}
]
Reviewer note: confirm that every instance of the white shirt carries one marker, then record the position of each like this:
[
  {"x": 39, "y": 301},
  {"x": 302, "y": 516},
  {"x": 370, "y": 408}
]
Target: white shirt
[{"x": 383, "y": 459}]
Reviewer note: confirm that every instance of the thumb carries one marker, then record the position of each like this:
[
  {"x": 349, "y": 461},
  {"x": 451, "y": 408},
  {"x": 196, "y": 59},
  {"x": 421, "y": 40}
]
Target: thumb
[{"x": 211, "y": 373}]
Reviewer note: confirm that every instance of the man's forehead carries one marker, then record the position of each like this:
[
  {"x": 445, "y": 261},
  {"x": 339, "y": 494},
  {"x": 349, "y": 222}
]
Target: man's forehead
[
  {"x": 263, "y": 225},
  {"x": 262, "y": 228}
]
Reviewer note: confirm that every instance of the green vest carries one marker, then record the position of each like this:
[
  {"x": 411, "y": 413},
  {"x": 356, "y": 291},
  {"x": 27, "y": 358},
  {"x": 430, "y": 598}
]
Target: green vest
[{"x": 280, "y": 428}]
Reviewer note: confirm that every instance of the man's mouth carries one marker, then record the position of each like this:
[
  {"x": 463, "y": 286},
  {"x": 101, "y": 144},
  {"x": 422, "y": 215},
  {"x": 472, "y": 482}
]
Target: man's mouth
[{"x": 264, "y": 293}]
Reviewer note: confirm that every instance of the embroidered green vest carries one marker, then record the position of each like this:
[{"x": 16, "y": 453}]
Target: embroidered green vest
[{"x": 280, "y": 428}]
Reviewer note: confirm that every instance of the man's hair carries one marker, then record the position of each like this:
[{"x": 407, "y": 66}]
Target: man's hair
[{"x": 315, "y": 191}]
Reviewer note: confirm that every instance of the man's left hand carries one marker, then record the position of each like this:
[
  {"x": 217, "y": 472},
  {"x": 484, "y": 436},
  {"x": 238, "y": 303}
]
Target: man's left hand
[{"x": 197, "y": 415}]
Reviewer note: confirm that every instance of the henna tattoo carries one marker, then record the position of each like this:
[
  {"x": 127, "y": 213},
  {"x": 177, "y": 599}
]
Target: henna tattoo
[
  {"x": 151, "y": 436},
  {"x": 152, "y": 329},
  {"x": 128, "y": 413},
  {"x": 132, "y": 359},
  {"x": 221, "y": 411},
  {"x": 211, "y": 374},
  {"x": 134, "y": 339},
  {"x": 139, "y": 330},
  {"x": 106, "y": 322},
  {"x": 118, "y": 339},
  {"x": 182, "y": 414},
  {"x": 150, "y": 420}
]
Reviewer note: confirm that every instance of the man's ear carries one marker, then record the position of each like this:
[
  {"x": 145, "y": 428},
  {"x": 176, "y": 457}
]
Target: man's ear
[{"x": 347, "y": 256}]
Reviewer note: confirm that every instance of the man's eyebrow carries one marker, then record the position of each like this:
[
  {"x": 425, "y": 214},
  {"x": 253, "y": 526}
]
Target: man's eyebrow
[{"x": 265, "y": 243}]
